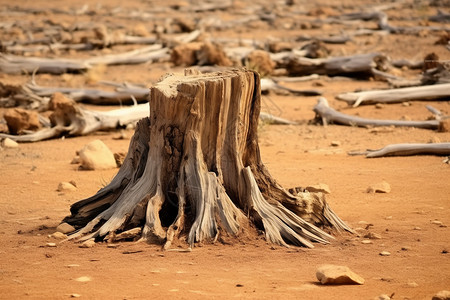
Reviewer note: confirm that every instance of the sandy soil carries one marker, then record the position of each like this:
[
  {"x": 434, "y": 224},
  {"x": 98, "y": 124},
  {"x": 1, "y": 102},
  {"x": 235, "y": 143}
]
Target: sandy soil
[{"x": 419, "y": 264}]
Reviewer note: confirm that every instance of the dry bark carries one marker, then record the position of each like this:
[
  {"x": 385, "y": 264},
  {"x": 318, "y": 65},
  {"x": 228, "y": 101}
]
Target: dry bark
[
  {"x": 328, "y": 115},
  {"x": 194, "y": 172},
  {"x": 410, "y": 149}
]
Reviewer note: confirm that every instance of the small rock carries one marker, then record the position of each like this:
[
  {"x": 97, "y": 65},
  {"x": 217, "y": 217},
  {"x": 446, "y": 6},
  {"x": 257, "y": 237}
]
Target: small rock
[
  {"x": 381, "y": 187},
  {"x": 366, "y": 242},
  {"x": 83, "y": 279},
  {"x": 385, "y": 253},
  {"x": 436, "y": 222},
  {"x": 19, "y": 120},
  {"x": 319, "y": 188},
  {"x": 58, "y": 235},
  {"x": 379, "y": 105},
  {"x": 96, "y": 156},
  {"x": 335, "y": 143},
  {"x": 76, "y": 160},
  {"x": 9, "y": 143},
  {"x": 66, "y": 187},
  {"x": 382, "y": 297},
  {"x": 388, "y": 218},
  {"x": 406, "y": 104},
  {"x": 417, "y": 228},
  {"x": 442, "y": 295},
  {"x": 113, "y": 246},
  {"x": 65, "y": 228},
  {"x": 75, "y": 296},
  {"x": 412, "y": 284},
  {"x": 406, "y": 248},
  {"x": 331, "y": 274},
  {"x": 50, "y": 245},
  {"x": 372, "y": 236},
  {"x": 72, "y": 265},
  {"x": 88, "y": 244}
]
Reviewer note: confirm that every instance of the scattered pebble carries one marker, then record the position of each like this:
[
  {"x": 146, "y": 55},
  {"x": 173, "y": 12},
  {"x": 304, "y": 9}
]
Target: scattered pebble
[
  {"x": 412, "y": 284},
  {"x": 406, "y": 248},
  {"x": 388, "y": 218},
  {"x": 83, "y": 279},
  {"x": 75, "y": 296},
  {"x": 50, "y": 245},
  {"x": 65, "y": 228},
  {"x": 332, "y": 274},
  {"x": 9, "y": 143},
  {"x": 88, "y": 244},
  {"x": 66, "y": 187},
  {"x": 58, "y": 235},
  {"x": 335, "y": 143},
  {"x": 72, "y": 265},
  {"x": 380, "y": 187},
  {"x": 417, "y": 228},
  {"x": 385, "y": 253},
  {"x": 372, "y": 236},
  {"x": 442, "y": 295},
  {"x": 382, "y": 297},
  {"x": 366, "y": 242},
  {"x": 96, "y": 156},
  {"x": 379, "y": 105}
]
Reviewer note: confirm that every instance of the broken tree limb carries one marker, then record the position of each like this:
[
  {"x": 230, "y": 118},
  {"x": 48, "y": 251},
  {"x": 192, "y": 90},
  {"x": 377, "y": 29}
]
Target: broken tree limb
[
  {"x": 330, "y": 116},
  {"x": 194, "y": 172},
  {"x": 270, "y": 85},
  {"x": 12, "y": 64},
  {"x": 69, "y": 119},
  {"x": 429, "y": 92},
  {"x": 410, "y": 149},
  {"x": 271, "y": 119},
  {"x": 344, "y": 65}
]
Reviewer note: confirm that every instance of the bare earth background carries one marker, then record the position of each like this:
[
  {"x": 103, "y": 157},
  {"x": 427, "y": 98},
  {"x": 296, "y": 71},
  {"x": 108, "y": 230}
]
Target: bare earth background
[{"x": 31, "y": 208}]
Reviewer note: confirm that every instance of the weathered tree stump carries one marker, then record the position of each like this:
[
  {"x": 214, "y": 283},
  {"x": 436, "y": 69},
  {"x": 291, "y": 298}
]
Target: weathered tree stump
[{"x": 194, "y": 172}]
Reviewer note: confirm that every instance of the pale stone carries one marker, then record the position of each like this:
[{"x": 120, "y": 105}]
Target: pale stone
[
  {"x": 83, "y": 279},
  {"x": 88, "y": 244},
  {"x": 332, "y": 274},
  {"x": 9, "y": 143},
  {"x": 366, "y": 242},
  {"x": 50, "y": 245},
  {"x": 380, "y": 187},
  {"x": 382, "y": 297},
  {"x": 58, "y": 235},
  {"x": 385, "y": 253},
  {"x": 96, "y": 156},
  {"x": 412, "y": 284},
  {"x": 66, "y": 187},
  {"x": 319, "y": 188},
  {"x": 65, "y": 228},
  {"x": 442, "y": 295},
  {"x": 335, "y": 143},
  {"x": 75, "y": 296},
  {"x": 372, "y": 236}
]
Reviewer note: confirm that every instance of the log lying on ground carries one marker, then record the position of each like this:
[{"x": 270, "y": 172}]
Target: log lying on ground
[
  {"x": 12, "y": 64},
  {"x": 361, "y": 64},
  {"x": 410, "y": 149},
  {"x": 69, "y": 119},
  {"x": 330, "y": 116},
  {"x": 194, "y": 172},
  {"x": 429, "y": 92},
  {"x": 270, "y": 85}
]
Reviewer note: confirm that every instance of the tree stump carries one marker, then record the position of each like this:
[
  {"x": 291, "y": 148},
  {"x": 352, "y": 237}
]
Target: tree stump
[{"x": 193, "y": 172}]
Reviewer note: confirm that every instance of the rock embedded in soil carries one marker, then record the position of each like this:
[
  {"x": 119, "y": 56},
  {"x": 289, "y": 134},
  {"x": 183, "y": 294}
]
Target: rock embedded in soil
[
  {"x": 380, "y": 187},
  {"x": 97, "y": 156},
  {"x": 19, "y": 119},
  {"x": 382, "y": 297},
  {"x": 88, "y": 244},
  {"x": 385, "y": 253},
  {"x": 442, "y": 295},
  {"x": 58, "y": 235},
  {"x": 9, "y": 143},
  {"x": 66, "y": 187},
  {"x": 65, "y": 228},
  {"x": 332, "y": 274}
]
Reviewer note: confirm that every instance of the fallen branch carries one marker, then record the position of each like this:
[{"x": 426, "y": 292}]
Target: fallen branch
[
  {"x": 12, "y": 64},
  {"x": 270, "y": 85},
  {"x": 410, "y": 149},
  {"x": 69, "y": 119},
  {"x": 329, "y": 115},
  {"x": 429, "y": 92}
]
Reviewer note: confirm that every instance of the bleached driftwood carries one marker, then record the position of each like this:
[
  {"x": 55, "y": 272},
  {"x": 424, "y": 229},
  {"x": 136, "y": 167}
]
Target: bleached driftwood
[
  {"x": 410, "y": 149},
  {"x": 329, "y": 115},
  {"x": 429, "y": 92},
  {"x": 123, "y": 94},
  {"x": 344, "y": 65},
  {"x": 13, "y": 64},
  {"x": 270, "y": 85},
  {"x": 69, "y": 119},
  {"x": 271, "y": 119}
]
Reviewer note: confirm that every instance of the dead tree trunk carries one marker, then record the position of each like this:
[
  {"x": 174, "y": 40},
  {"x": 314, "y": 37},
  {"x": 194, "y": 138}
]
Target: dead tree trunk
[{"x": 194, "y": 172}]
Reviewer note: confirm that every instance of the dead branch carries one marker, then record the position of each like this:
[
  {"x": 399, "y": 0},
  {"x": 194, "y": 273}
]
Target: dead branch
[
  {"x": 270, "y": 85},
  {"x": 410, "y": 149},
  {"x": 13, "y": 64},
  {"x": 429, "y": 92},
  {"x": 330, "y": 116},
  {"x": 69, "y": 119}
]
